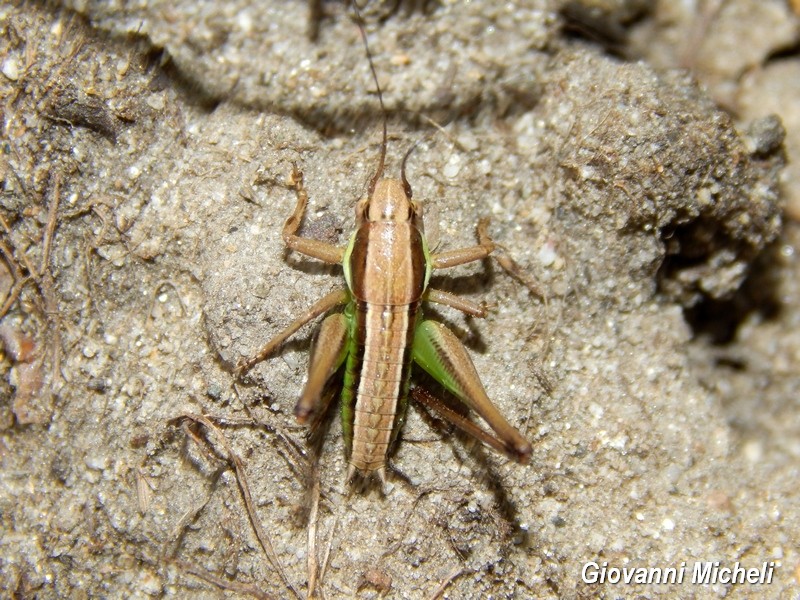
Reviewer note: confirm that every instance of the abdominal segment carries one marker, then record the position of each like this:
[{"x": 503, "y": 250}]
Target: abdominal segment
[{"x": 376, "y": 381}]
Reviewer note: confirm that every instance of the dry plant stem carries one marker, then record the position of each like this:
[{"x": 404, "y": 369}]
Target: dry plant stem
[
  {"x": 244, "y": 488},
  {"x": 20, "y": 280},
  {"x": 326, "y": 557},
  {"x": 50, "y": 229},
  {"x": 144, "y": 491},
  {"x": 46, "y": 283},
  {"x": 8, "y": 256},
  {"x": 43, "y": 277},
  {"x": 223, "y": 584},
  {"x": 314, "y": 18},
  {"x": 24, "y": 259},
  {"x": 294, "y": 454},
  {"x": 450, "y": 579},
  {"x": 16, "y": 290},
  {"x": 444, "y": 132},
  {"x": 51, "y": 308},
  {"x": 313, "y": 522},
  {"x": 178, "y": 532},
  {"x": 393, "y": 548}
]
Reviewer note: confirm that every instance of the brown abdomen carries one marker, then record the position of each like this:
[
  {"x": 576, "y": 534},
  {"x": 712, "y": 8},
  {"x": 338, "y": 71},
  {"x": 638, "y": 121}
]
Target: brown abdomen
[{"x": 380, "y": 371}]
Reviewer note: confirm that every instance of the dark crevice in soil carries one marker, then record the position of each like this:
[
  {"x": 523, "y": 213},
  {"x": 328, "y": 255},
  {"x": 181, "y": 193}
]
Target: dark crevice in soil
[{"x": 718, "y": 320}]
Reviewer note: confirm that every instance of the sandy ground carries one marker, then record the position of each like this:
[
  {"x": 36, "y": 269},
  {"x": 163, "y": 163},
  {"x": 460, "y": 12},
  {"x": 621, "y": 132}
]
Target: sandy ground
[{"x": 629, "y": 157}]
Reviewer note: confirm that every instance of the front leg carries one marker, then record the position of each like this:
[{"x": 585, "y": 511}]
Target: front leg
[
  {"x": 314, "y": 248},
  {"x": 462, "y": 256}
]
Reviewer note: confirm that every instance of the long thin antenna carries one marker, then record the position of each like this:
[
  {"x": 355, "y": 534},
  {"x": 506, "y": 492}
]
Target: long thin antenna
[
  {"x": 382, "y": 163},
  {"x": 406, "y": 185}
]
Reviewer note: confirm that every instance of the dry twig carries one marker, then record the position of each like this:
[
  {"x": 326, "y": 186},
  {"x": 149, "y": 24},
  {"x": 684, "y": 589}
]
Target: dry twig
[
  {"x": 241, "y": 479},
  {"x": 223, "y": 584}
]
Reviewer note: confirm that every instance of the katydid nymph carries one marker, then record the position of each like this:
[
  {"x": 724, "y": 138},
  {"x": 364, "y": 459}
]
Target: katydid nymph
[{"x": 381, "y": 330}]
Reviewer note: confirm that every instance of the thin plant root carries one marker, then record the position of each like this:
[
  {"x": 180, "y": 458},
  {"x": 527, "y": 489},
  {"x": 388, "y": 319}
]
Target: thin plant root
[{"x": 234, "y": 461}]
